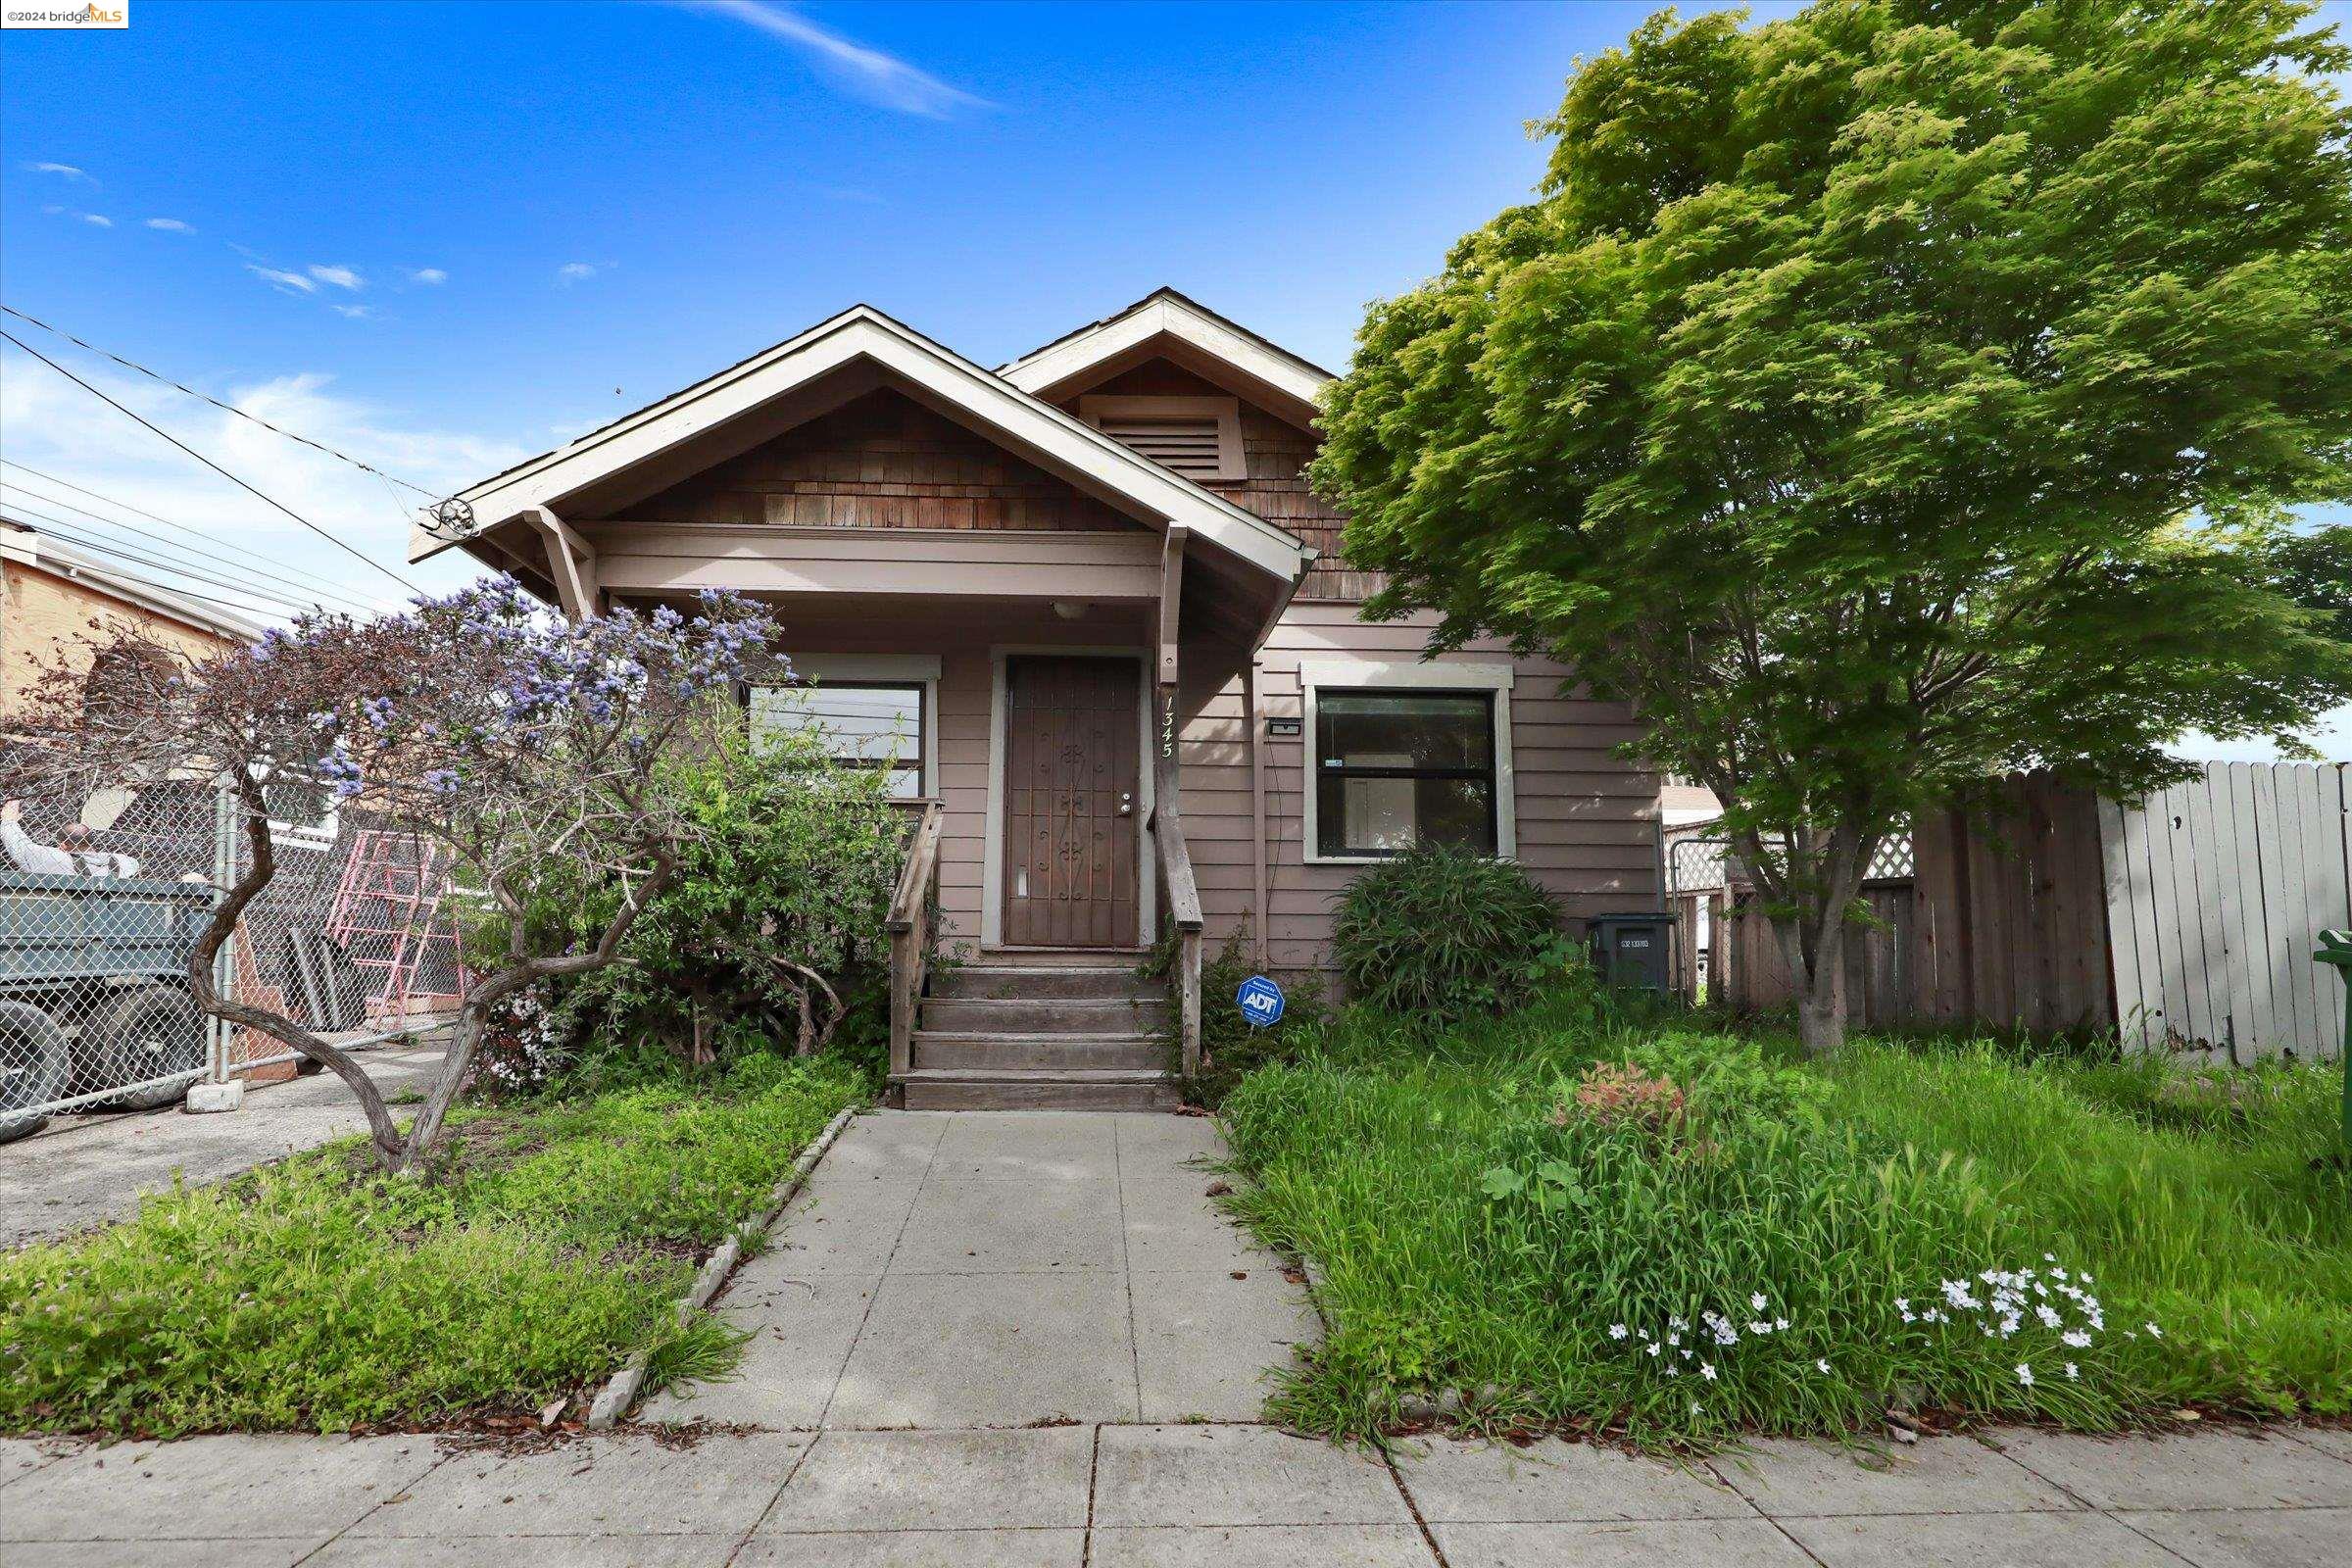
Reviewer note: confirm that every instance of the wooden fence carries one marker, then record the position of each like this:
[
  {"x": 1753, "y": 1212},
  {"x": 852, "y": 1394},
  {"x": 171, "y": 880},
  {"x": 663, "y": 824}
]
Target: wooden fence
[{"x": 2189, "y": 921}]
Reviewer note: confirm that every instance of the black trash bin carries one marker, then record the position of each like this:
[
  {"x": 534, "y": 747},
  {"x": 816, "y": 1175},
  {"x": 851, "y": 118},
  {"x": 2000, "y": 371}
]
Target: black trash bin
[{"x": 1633, "y": 951}]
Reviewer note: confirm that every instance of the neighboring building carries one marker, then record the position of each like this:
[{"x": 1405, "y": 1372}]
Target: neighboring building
[
  {"x": 51, "y": 594},
  {"x": 1071, "y": 585}
]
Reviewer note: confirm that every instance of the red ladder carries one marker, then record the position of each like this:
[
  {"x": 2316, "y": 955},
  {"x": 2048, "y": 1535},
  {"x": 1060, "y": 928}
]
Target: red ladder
[{"x": 387, "y": 919}]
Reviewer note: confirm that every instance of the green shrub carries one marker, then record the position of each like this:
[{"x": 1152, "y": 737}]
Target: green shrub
[
  {"x": 1437, "y": 936},
  {"x": 769, "y": 937}
]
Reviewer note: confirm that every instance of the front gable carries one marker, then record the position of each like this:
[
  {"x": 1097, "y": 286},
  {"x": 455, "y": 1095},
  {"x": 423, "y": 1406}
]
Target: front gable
[{"x": 882, "y": 460}]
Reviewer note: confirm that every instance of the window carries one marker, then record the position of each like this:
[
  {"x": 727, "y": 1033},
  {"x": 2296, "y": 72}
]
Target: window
[
  {"x": 1406, "y": 754},
  {"x": 875, "y": 711},
  {"x": 1199, "y": 438}
]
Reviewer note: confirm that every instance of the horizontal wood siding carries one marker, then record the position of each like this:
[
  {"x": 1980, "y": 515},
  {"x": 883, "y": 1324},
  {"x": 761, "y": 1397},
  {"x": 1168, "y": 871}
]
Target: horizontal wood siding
[
  {"x": 1586, "y": 819},
  {"x": 881, "y": 461}
]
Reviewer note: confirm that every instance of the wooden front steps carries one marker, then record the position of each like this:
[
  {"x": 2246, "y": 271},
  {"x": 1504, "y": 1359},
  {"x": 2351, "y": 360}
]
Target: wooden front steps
[{"x": 1041, "y": 1030}]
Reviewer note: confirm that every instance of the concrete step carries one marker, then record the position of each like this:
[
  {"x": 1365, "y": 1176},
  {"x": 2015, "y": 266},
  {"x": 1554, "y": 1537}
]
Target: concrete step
[
  {"x": 1022, "y": 983},
  {"x": 1014, "y": 1089},
  {"x": 1045, "y": 1015},
  {"x": 957, "y": 1049}
]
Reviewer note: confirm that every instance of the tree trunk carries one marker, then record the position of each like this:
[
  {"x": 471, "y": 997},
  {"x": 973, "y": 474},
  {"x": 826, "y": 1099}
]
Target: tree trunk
[{"x": 425, "y": 1131}]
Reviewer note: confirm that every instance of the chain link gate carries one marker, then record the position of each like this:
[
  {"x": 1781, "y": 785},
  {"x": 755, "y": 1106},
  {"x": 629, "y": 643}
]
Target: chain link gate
[{"x": 102, "y": 900}]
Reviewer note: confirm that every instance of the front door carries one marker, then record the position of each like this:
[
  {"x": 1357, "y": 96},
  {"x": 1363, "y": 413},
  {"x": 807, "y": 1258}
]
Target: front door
[{"x": 1072, "y": 800}]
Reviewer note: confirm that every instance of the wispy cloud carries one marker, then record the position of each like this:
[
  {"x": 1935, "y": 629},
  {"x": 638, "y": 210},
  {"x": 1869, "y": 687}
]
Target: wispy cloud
[
  {"x": 863, "y": 71},
  {"x": 358, "y": 313},
  {"x": 340, "y": 277},
  {"x": 97, "y": 220},
  {"x": 578, "y": 272},
  {"x": 293, "y": 281},
  {"x": 428, "y": 276},
  {"x": 65, "y": 171},
  {"x": 172, "y": 225}
]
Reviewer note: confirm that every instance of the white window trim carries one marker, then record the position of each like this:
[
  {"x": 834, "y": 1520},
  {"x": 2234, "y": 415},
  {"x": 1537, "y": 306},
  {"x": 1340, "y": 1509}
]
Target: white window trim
[
  {"x": 1414, "y": 675},
  {"x": 898, "y": 669}
]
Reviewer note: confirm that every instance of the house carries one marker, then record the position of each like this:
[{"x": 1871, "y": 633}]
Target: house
[
  {"x": 1087, "y": 603},
  {"x": 51, "y": 594}
]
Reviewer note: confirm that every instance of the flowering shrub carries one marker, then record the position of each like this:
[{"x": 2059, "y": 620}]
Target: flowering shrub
[{"x": 532, "y": 748}]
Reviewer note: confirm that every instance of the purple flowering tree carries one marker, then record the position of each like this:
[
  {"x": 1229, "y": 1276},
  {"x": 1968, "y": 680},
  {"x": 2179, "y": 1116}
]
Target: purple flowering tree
[{"x": 531, "y": 747}]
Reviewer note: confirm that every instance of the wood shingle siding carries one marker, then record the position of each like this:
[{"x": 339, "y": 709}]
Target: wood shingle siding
[{"x": 882, "y": 460}]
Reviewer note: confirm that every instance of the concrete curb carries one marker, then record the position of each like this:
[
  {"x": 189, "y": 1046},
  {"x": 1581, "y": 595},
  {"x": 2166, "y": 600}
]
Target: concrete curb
[{"x": 616, "y": 1395}]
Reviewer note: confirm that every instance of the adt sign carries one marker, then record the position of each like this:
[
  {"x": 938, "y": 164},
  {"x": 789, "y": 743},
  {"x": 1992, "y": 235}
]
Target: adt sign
[{"x": 1260, "y": 999}]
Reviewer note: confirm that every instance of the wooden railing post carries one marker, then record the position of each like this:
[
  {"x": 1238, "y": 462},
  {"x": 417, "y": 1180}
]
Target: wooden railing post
[
  {"x": 1177, "y": 884},
  {"x": 910, "y": 927}
]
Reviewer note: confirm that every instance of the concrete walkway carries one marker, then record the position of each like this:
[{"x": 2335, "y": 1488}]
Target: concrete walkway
[
  {"x": 960, "y": 1269},
  {"x": 84, "y": 1169},
  {"x": 1159, "y": 1497}
]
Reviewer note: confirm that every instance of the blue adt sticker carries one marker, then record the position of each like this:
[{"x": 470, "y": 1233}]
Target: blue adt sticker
[{"x": 1260, "y": 999}]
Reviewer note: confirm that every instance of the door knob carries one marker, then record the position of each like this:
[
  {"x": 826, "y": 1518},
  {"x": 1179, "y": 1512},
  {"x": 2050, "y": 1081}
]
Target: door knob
[{"x": 1126, "y": 803}]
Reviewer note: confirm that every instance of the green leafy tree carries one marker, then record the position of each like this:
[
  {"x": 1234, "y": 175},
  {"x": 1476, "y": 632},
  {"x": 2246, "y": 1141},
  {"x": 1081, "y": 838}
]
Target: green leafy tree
[{"x": 1886, "y": 397}]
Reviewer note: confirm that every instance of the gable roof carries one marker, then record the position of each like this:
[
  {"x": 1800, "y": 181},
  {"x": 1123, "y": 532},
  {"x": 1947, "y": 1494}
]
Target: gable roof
[
  {"x": 863, "y": 334},
  {"x": 1167, "y": 312}
]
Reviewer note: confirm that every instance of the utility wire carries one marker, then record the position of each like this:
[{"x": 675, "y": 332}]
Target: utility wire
[
  {"x": 325, "y": 590},
  {"x": 347, "y": 549},
  {"x": 116, "y": 547},
  {"x": 225, "y": 408},
  {"x": 141, "y": 512},
  {"x": 257, "y": 603},
  {"x": 184, "y": 593}
]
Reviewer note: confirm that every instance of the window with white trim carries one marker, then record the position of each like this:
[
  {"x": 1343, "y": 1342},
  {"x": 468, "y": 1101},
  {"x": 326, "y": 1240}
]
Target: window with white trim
[
  {"x": 871, "y": 711},
  {"x": 1404, "y": 755}
]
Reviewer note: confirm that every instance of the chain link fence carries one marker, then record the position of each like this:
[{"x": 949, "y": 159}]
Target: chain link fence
[{"x": 102, "y": 900}]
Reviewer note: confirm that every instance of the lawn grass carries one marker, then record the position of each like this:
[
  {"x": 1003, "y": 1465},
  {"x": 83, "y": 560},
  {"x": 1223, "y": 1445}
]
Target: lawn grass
[
  {"x": 1483, "y": 1238},
  {"x": 319, "y": 1294}
]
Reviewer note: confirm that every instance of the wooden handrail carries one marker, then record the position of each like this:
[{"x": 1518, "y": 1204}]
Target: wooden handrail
[
  {"x": 910, "y": 926},
  {"x": 1183, "y": 894}
]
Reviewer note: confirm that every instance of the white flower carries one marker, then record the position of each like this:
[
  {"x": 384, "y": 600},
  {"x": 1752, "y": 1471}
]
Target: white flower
[
  {"x": 1706, "y": 1370},
  {"x": 1779, "y": 1325},
  {"x": 2025, "y": 1374},
  {"x": 1822, "y": 1365},
  {"x": 1652, "y": 1346},
  {"x": 1757, "y": 1301},
  {"x": 2073, "y": 1371},
  {"x": 1674, "y": 1337},
  {"x": 2075, "y": 1340},
  {"x": 2155, "y": 1332},
  {"x": 1616, "y": 1330},
  {"x": 2049, "y": 1319}
]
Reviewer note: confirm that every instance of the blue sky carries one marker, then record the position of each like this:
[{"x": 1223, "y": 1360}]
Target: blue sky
[{"x": 444, "y": 236}]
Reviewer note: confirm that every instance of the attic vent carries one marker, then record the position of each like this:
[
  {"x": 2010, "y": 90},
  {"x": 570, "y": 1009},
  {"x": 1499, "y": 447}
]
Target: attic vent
[{"x": 1199, "y": 438}]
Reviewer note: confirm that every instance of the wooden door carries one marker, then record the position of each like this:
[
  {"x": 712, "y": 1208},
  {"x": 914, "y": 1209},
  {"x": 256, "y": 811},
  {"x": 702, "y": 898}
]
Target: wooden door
[{"x": 1073, "y": 801}]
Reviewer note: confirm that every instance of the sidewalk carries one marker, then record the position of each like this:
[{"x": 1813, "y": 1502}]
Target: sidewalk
[
  {"x": 1158, "y": 1497},
  {"x": 85, "y": 1170}
]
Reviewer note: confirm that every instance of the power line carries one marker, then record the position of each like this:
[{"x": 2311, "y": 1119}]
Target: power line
[
  {"x": 225, "y": 408},
  {"x": 116, "y": 548},
  {"x": 339, "y": 543},
  {"x": 123, "y": 505},
  {"x": 184, "y": 593},
  {"x": 327, "y": 589}
]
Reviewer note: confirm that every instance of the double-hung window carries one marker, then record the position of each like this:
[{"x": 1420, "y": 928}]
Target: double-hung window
[
  {"x": 873, "y": 712},
  {"x": 1400, "y": 754}
]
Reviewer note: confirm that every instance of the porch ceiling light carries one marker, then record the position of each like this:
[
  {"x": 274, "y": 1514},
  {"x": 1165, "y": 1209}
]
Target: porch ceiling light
[{"x": 1070, "y": 608}]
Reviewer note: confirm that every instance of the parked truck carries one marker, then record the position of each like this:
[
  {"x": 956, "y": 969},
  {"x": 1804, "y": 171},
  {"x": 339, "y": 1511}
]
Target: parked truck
[{"x": 94, "y": 992}]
